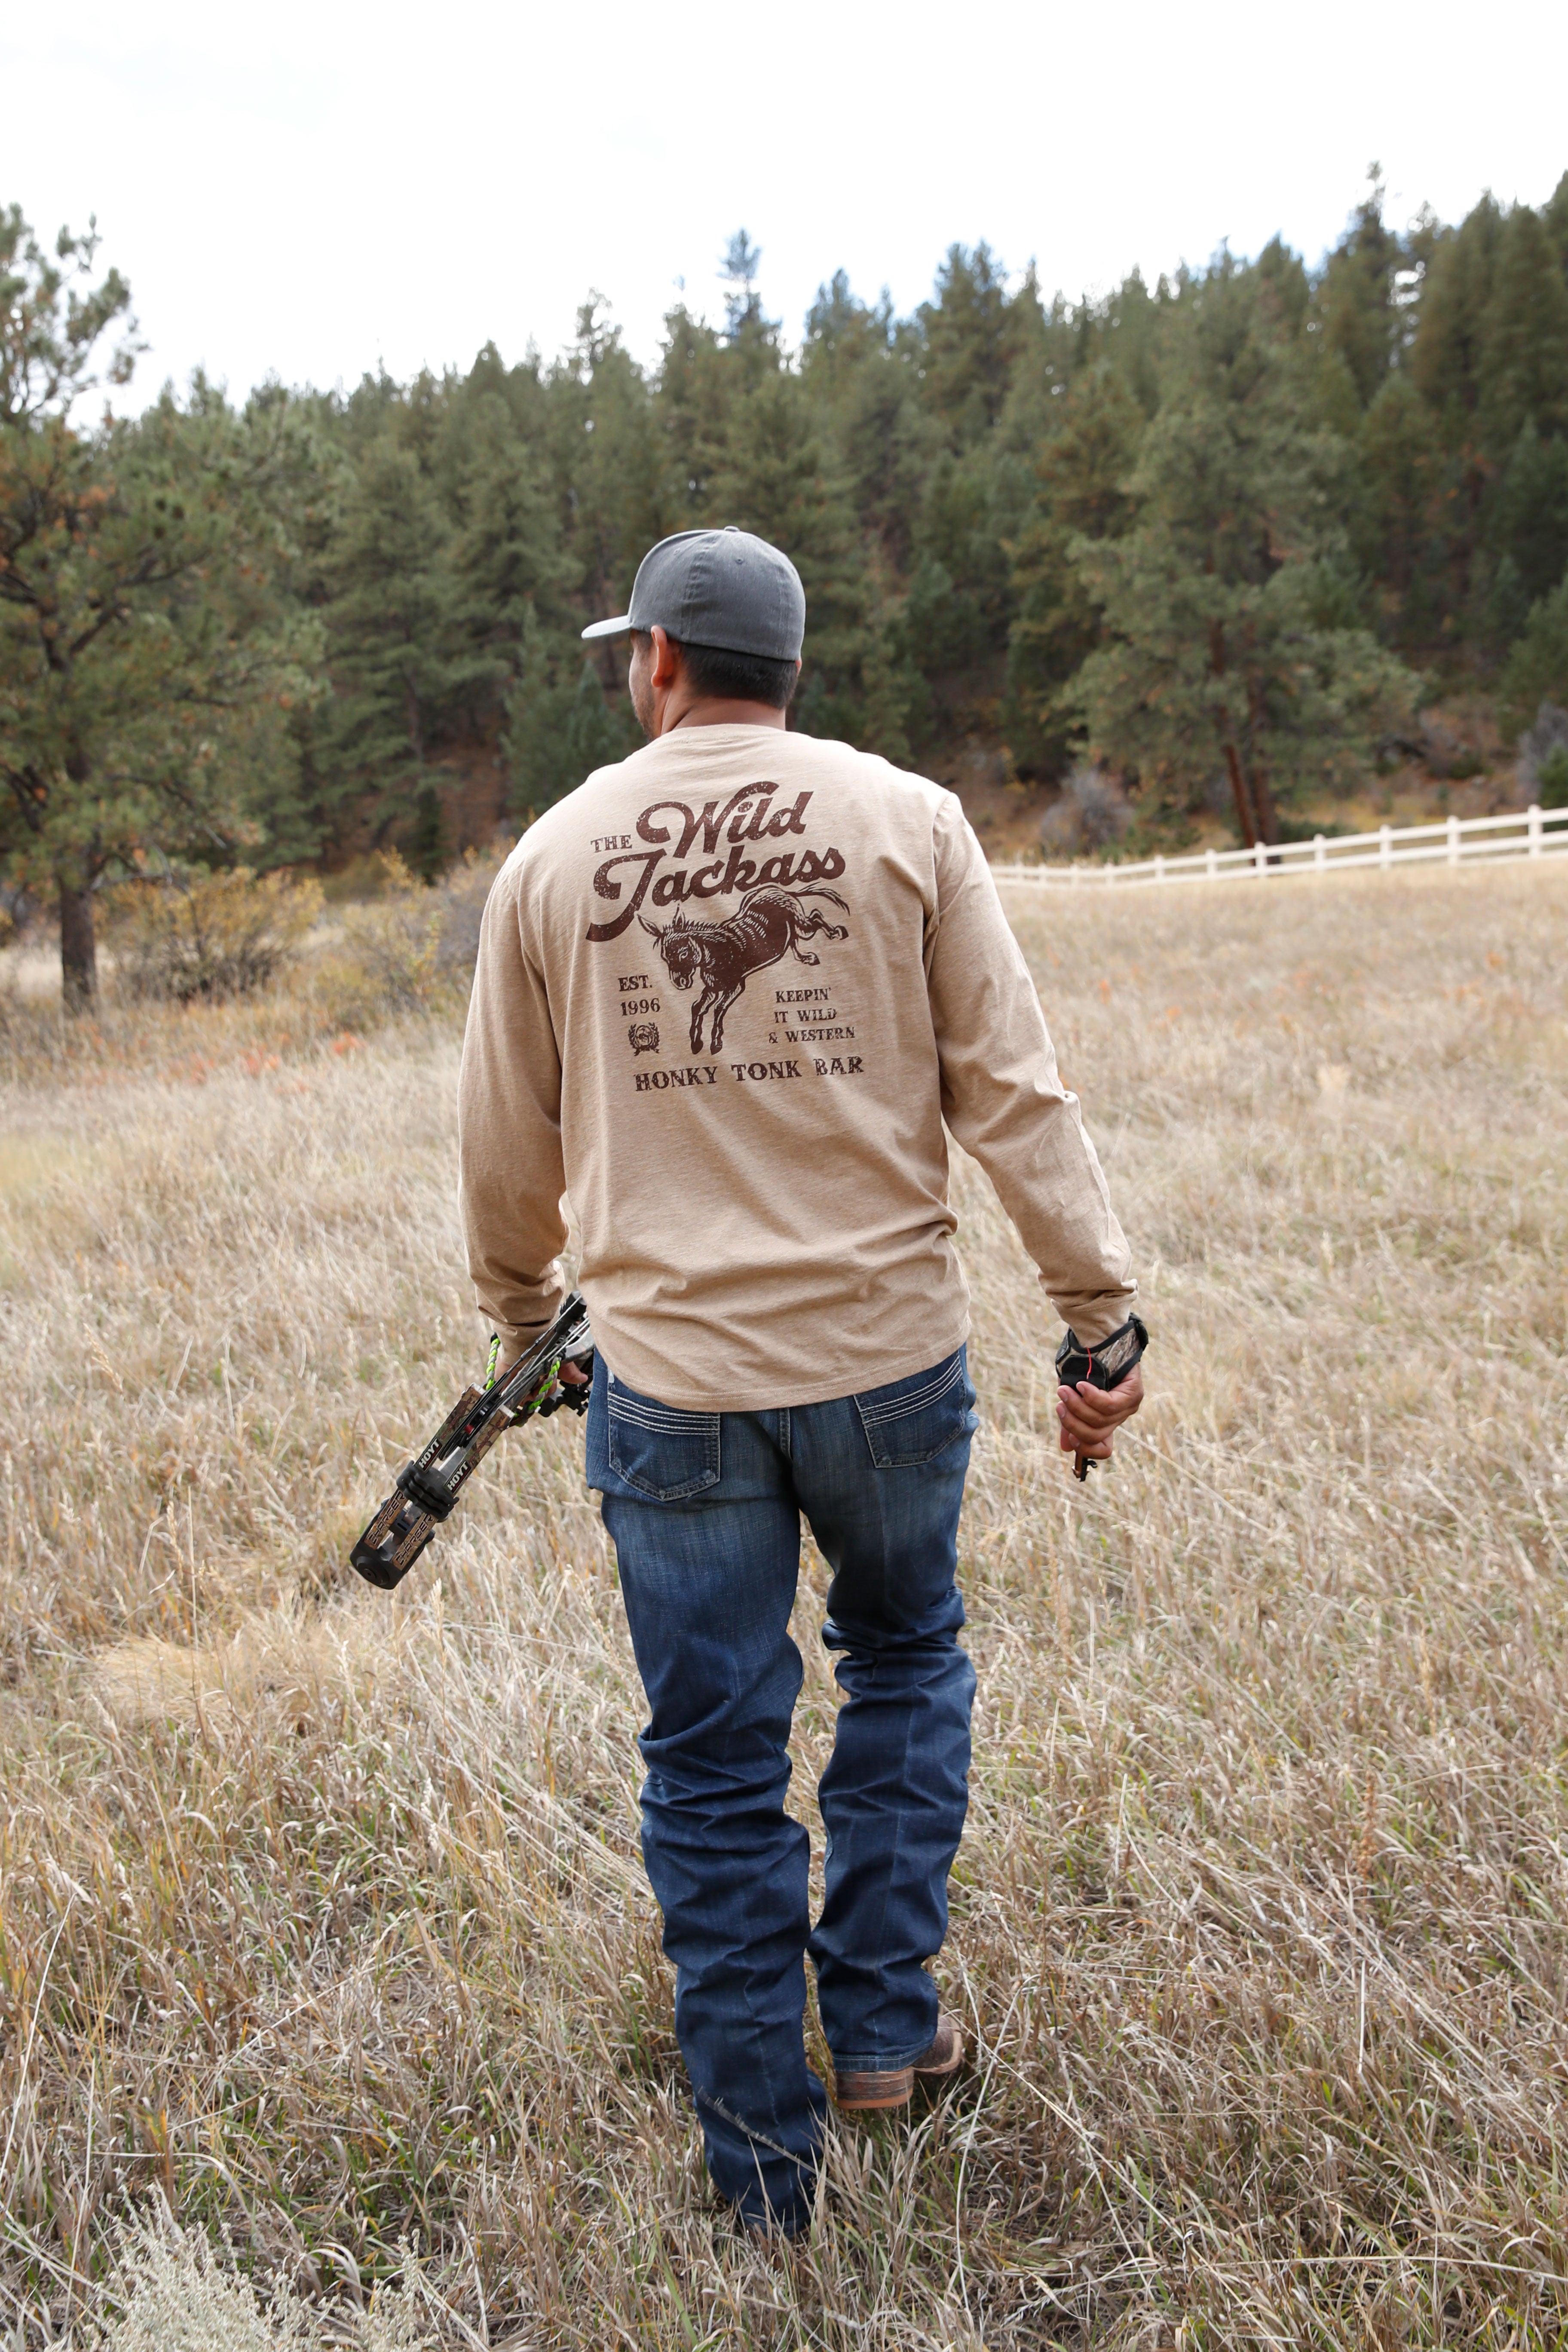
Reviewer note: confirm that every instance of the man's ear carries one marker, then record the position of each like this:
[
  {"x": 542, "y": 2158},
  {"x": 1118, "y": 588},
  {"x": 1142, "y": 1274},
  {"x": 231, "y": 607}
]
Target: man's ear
[{"x": 665, "y": 659}]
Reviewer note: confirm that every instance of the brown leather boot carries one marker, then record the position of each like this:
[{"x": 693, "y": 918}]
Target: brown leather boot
[{"x": 866, "y": 2092}]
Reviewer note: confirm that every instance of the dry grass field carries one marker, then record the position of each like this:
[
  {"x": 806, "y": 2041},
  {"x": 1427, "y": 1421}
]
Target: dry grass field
[{"x": 324, "y": 1941}]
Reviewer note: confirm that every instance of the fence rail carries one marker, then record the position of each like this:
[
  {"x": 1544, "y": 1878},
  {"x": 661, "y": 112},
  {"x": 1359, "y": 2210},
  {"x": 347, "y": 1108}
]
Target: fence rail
[{"x": 1522, "y": 832}]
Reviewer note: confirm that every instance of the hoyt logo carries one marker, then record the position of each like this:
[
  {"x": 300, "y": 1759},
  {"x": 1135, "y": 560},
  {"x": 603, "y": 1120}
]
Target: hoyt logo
[{"x": 729, "y": 833}]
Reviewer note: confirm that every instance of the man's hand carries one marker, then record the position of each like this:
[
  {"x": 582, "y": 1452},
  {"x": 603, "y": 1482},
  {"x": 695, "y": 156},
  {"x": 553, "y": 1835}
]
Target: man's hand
[
  {"x": 1090, "y": 1417},
  {"x": 572, "y": 1376}
]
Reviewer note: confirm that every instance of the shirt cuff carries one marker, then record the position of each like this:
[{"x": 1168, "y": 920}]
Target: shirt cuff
[{"x": 1093, "y": 1320}]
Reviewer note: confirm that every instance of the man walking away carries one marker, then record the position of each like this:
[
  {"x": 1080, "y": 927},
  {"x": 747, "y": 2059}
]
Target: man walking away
[{"x": 727, "y": 992}]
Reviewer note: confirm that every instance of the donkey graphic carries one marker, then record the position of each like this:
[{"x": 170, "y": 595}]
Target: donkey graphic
[{"x": 768, "y": 923}]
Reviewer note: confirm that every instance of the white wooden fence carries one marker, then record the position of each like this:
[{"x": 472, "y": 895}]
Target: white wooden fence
[{"x": 1522, "y": 833}]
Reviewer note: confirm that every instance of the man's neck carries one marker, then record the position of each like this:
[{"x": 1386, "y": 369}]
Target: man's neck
[{"x": 714, "y": 710}]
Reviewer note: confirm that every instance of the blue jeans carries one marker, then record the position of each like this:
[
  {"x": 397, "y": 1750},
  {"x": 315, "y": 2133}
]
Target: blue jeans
[{"x": 704, "y": 1509}]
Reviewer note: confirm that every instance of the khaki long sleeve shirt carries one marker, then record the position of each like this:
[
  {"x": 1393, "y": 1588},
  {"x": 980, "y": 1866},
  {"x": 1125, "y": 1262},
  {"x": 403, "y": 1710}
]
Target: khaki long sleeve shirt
[{"x": 728, "y": 994}]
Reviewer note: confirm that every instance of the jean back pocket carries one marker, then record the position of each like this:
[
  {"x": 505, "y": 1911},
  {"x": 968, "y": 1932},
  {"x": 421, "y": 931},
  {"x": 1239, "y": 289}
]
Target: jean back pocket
[
  {"x": 658, "y": 1448},
  {"x": 913, "y": 1420}
]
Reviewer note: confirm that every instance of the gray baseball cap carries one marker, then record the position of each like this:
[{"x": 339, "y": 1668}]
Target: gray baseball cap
[{"x": 725, "y": 588}]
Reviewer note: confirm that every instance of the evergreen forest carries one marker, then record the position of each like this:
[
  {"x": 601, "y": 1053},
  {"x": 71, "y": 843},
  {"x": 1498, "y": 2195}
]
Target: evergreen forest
[{"x": 1219, "y": 540}]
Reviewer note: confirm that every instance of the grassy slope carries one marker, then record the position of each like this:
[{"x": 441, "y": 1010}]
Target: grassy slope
[{"x": 322, "y": 1912}]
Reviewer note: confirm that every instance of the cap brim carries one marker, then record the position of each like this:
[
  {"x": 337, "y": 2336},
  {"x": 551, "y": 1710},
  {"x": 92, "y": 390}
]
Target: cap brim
[{"x": 609, "y": 628}]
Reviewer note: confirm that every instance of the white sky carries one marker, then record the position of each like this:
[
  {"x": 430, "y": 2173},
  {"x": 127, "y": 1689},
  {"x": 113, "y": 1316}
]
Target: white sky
[{"x": 315, "y": 185}]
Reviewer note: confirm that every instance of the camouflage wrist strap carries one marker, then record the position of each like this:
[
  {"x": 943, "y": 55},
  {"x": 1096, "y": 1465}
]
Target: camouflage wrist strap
[{"x": 1104, "y": 1367}]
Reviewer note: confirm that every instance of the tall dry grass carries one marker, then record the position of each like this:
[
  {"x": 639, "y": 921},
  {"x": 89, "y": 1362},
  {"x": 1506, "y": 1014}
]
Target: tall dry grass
[{"x": 321, "y": 1919}]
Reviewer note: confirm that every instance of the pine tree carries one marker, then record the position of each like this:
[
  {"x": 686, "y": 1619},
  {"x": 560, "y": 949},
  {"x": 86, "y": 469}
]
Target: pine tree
[
  {"x": 971, "y": 336},
  {"x": 743, "y": 302},
  {"x": 1232, "y": 642},
  {"x": 1555, "y": 216},
  {"x": 1358, "y": 312},
  {"x": 1537, "y": 669},
  {"x": 776, "y": 478},
  {"x": 505, "y": 556},
  {"x": 615, "y": 471},
  {"x": 859, "y": 371},
  {"x": 1445, "y": 367},
  {"x": 559, "y": 727},
  {"x": 1528, "y": 521},
  {"x": 1521, "y": 372},
  {"x": 148, "y": 652},
  {"x": 1445, "y": 357},
  {"x": 398, "y": 647},
  {"x": 1082, "y": 471},
  {"x": 700, "y": 384},
  {"x": 1397, "y": 445}
]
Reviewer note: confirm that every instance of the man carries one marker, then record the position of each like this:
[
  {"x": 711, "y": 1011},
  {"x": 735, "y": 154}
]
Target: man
[{"x": 727, "y": 993}]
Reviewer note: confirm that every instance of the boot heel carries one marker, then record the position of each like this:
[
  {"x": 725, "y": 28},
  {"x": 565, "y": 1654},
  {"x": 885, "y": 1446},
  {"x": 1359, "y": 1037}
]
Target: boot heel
[{"x": 864, "y": 2093}]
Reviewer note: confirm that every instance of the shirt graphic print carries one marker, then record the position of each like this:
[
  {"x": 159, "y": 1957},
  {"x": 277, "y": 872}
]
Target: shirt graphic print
[{"x": 711, "y": 959}]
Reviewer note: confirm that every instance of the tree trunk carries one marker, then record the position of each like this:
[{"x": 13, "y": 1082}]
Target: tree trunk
[
  {"x": 1242, "y": 797},
  {"x": 1263, "y": 801},
  {"x": 79, "y": 947},
  {"x": 1262, "y": 797}
]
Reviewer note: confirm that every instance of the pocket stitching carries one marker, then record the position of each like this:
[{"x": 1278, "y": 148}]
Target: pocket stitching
[
  {"x": 930, "y": 1394},
  {"x": 665, "y": 1423},
  {"x": 653, "y": 1420},
  {"x": 877, "y": 1424}
]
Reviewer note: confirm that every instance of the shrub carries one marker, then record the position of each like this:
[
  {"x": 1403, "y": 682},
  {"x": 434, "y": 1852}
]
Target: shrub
[
  {"x": 17, "y": 911},
  {"x": 169, "y": 2288},
  {"x": 1092, "y": 812},
  {"x": 385, "y": 963},
  {"x": 463, "y": 895},
  {"x": 1537, "y": 669},
  {"x": 1543, "y": 758},
  {"x": 197, "y": 936},
  {"x": 413, "y": 949}
]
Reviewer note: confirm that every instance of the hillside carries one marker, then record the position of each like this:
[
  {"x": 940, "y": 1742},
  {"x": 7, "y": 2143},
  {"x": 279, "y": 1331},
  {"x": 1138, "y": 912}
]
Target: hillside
[{"x": 1275, "y": 543}]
